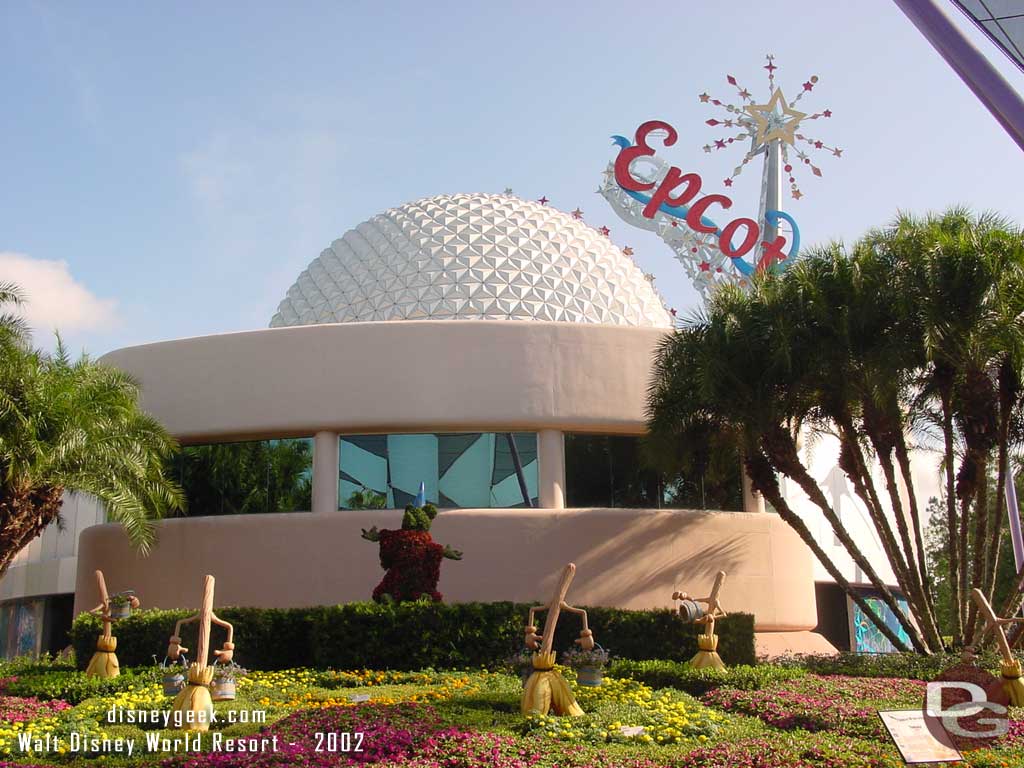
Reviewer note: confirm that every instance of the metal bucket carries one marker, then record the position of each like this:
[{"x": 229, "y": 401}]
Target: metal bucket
[
  {"x": 121, "y": 611},
  {"x": 690, "y": 611},
  {"x": 222, "y": 690},
  {"x": 590, "y": 676},
  {"x": 174, "y": 678}
]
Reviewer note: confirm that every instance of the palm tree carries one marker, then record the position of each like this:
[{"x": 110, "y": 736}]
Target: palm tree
[
  {"x": 13, "y": 328},
  {"x": 963, "y": 274},
  {"x": 74, "y": 426},
  {"x": 728, "y": 371},
  {"x": 918, "y": 324}
]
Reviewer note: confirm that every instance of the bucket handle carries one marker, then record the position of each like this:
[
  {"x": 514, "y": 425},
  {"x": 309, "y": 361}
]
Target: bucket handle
[{"x": 181, "y": 658}]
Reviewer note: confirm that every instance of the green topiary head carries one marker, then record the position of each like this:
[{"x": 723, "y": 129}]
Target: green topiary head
[{"x": 417, "y": 518}]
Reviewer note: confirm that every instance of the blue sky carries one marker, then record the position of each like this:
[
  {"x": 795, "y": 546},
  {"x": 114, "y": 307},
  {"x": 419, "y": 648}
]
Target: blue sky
[{"x": 186, "y": 161}]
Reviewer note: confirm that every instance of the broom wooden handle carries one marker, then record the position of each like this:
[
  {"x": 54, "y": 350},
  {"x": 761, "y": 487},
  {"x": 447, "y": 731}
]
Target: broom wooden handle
[
  {"x": 555, "y": 608},
  {"x": 992, "y": 622},
  {"x": 205, "y": 613},
  {"x": 719, "y": 581},
  {"x": 104, "y": 603}
]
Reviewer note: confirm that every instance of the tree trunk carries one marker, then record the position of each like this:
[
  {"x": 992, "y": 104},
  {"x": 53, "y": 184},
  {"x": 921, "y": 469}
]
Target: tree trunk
[
  {"x": 903, "y": 458},
  {"x": 956, "y": 591},
  {"x": 1008, "y": 392},
  {"x": 781, "y": 452},
  {"x": 763, "y": 479},
  {"x": 881, "y": 438},
  {"x": 24, "y": 515}
]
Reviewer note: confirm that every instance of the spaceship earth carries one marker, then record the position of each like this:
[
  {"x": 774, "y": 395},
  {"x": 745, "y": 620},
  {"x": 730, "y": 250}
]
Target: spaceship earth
[{"x": 473, "y": 256}]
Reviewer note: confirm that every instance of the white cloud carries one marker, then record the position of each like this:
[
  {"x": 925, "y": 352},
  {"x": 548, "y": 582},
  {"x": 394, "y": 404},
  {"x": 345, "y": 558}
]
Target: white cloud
[{"x": 54, "y": 299}]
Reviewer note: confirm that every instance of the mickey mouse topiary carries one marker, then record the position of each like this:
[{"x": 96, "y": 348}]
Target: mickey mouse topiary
[{"x": 410, "y": 557}]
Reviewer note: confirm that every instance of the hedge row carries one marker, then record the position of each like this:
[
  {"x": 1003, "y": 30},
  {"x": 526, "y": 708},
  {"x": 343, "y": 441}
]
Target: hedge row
[{"x": 406, "y": 636}]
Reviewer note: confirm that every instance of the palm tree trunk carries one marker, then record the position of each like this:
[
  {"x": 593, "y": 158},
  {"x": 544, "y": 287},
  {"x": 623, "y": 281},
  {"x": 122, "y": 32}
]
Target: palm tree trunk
[
  {"x": 917, "y": 599},
  {"x": 853, "y": 463},
  {"x": 981, "y": 527},
  {"x": 781, "y": 452},
  {"x": 903, "y": 458},
  {"x": 961, "y": 544},
  {"x": 957, "y": 592},
  {"x": 763, "y": 479},
  {"x": 1007, "y": 395},
  {"x": 23, "y": 516}
]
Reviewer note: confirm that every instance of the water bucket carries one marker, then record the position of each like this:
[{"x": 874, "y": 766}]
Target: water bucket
[
  {"x": 174, "y": 677},
  {"x": 120, "y": 610},
  {"x": 222, "y": 688},
  {"x": 590, "y": 676},
  {"x": 690, "y": 611}
]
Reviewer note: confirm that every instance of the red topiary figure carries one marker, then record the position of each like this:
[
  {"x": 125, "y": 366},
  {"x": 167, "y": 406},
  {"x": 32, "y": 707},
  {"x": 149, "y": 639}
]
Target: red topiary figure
[{"x": 410, "y": 557}]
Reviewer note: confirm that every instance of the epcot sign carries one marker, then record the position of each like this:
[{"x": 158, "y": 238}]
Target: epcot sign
[
  {"x": 646, "y": 191},
  {"x": 679, "y": 205}
]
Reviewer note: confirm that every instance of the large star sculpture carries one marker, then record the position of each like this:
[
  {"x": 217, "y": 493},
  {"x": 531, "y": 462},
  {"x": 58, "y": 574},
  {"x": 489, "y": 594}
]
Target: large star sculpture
[{"x": 776, "y": 120}]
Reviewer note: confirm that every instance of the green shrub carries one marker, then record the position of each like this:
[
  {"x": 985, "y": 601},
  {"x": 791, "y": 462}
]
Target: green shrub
[
  {"x": 73, "y": 686},
  {"x": 696, "y": 682},
  {"x": 23, "y": 665},
  {"x": 408, "y": 636}
]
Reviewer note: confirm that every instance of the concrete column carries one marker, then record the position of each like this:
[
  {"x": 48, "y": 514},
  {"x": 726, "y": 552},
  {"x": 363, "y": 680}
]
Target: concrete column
[
  {"x": 752, "y": 500},
  {"x": 325, "y": 472},
  {"x": 551, "y": 469}
]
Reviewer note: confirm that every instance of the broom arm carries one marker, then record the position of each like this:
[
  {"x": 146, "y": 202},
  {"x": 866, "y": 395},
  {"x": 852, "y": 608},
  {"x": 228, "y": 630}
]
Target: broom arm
[
  {"x": 532, "y": 639},
  {"x": 227, "y": 651},
  {"x": 992, "y": 622},
  {"x": 556, "y": 608},
  {"x": 586, "y": 638},
  {"x": 175, "y": 648}
]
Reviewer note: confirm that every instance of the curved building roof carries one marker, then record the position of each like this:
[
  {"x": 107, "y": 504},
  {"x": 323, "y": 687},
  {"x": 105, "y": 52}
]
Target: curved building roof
[{"x": 473, "y": 256}]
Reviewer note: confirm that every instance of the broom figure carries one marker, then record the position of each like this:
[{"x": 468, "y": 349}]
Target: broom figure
[
  {"x": 707, "y": 642},
  {"x": 546, "y": 689},
  {"x": 104, "y": 661},
  {"x": 193, "y": 706}
]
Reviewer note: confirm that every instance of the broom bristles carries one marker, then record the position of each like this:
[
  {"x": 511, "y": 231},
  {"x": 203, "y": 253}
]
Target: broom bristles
[
  {"x": 707, "y": 656},
  {"x": 1012, "y": 684},
  {"x": 195, "y": 698},
  {"x": 547, "y": 690},
  {"x": 104, "y": 662}
]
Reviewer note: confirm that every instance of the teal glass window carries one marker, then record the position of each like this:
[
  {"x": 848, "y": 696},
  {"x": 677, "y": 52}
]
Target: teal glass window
[{"x": 475, "y": 470}]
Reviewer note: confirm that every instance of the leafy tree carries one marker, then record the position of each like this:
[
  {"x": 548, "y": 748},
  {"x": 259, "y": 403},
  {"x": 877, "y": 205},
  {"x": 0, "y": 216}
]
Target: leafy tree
[
  {"x": 367, "y": 498},
  {"x": 73, "y": 426},
  {"x": 916, "y": 328},
  {"x": 938, "y": 550},
  {"x": 246, "y": 478}
]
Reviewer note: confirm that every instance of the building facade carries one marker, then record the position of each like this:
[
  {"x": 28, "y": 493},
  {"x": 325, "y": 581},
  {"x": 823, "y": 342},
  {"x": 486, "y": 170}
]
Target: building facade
[{"x": 494, "y": 349}]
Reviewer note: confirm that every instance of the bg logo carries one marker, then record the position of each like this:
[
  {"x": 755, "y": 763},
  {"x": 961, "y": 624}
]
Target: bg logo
[{"x": 954, "y": 715}]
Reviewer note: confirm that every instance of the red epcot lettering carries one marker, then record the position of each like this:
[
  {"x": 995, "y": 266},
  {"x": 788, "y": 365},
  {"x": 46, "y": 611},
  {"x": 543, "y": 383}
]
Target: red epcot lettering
[
  {"x": 640, "y": 149},
  {"x": 725, "y": 239},
  {"x": 663, "y": 194},
  {"x": 698, "y": 209}
]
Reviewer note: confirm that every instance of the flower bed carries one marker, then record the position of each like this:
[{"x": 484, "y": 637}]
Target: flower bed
[
  {"x": 431, "y": 719},
  {"x": 846, "y": 705}
]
